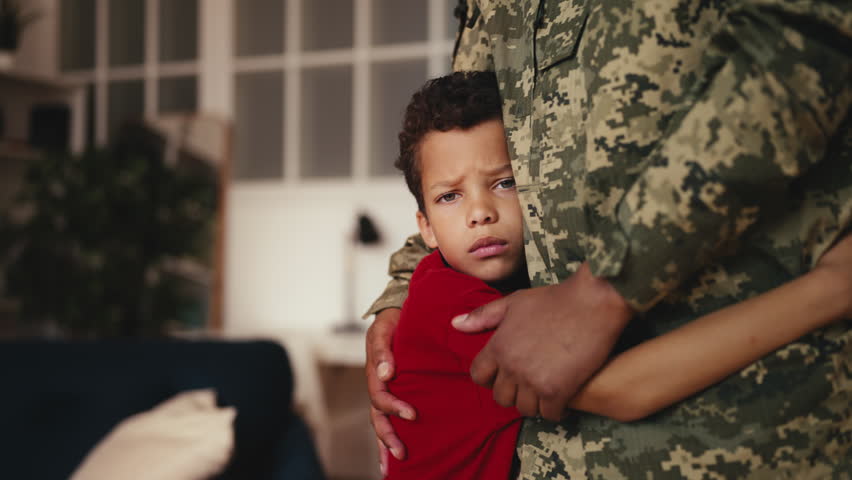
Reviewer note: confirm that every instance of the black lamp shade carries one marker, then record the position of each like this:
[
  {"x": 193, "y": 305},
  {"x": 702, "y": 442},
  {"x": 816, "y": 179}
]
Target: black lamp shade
[{"x": 367, "y": 233}]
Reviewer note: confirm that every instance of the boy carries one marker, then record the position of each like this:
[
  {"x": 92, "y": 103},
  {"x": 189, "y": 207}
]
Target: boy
[{"x": 453, "y": 154}]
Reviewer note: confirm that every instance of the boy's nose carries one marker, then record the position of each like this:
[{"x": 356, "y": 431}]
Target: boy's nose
[
  {"x": 480, "y": 220},
  {"x": 481, "y": 213}
]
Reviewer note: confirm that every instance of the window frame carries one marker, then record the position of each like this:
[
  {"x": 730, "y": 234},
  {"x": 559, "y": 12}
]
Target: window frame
[
  {"x": 435, "y": 51},
  {"x": 150, "y": 72},
  {"x": 216, "y": 67}
]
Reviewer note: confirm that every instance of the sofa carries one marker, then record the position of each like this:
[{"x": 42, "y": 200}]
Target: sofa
[{"x": 60, "y": 398}]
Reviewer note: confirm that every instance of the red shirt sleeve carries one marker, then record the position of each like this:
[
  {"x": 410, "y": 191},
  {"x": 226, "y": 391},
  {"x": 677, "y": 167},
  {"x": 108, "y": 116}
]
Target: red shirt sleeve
[{"x": 467, "y": 345}]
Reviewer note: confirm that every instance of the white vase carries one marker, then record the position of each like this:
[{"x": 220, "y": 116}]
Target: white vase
[{"x": 7, "y": 59}]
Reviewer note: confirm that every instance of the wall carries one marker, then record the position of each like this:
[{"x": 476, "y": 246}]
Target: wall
[
  {"x": 285, "y": 241},
  {"x": 285, "y": 251},
  {"x": 36, "y": 55}
]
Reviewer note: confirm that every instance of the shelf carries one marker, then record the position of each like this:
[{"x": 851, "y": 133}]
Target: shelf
[{"x": 11, "y": 80}]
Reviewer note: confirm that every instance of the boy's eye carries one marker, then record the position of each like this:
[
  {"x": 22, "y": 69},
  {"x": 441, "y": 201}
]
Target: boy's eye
[
  {"x": 448, "y": 197},
  {"x": 506, "y": 183}
]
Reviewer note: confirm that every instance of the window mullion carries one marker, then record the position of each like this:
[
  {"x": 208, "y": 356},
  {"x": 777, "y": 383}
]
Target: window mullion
[
  {"x": 291, "y": 136},
  {"x": 152, "y": 44},
  {"x": 101, "y": 65},
  {"x": 437, "y": 35},
  {"x": 361, "y": 90},
  {"x": 215, "y": 62}
]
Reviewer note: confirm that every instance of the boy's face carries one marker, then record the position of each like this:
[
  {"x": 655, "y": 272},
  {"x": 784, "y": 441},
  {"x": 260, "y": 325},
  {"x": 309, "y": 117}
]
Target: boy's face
[{"x": 472, "y": 210}]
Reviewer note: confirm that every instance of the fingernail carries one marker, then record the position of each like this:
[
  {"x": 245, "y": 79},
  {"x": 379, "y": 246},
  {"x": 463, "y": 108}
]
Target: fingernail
[
  {"x": 383, "y": 469},
  {"x": 459, "y": 320},
  {"x": 383, "y": 370},
  {"x": 395, "y": 454},
  {"x": 406, "y": 414}
]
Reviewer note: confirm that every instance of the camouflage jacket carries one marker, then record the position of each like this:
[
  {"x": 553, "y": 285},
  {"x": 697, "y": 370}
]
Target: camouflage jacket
[{"x": 695, "y": 153}]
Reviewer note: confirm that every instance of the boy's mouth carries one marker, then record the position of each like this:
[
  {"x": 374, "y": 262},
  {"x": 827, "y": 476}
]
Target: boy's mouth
[{"x": 488, "y": 247}]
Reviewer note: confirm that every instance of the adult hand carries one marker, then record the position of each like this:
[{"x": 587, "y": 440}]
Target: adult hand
[
  {"x": 548, "y": 342},
  {"x": 380, "y": 369}
]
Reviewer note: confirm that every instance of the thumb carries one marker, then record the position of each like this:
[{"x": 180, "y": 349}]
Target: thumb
[
  {"x": 379, "y": 338},
  {"x": 486, "y": 317}
]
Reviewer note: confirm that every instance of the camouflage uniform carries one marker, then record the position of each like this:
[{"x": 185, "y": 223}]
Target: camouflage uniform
[{"x": 695, "y": 153}]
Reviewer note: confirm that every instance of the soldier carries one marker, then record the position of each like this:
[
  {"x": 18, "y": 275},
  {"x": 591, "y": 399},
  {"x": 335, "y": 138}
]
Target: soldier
[{"x": 693, "y": 154}]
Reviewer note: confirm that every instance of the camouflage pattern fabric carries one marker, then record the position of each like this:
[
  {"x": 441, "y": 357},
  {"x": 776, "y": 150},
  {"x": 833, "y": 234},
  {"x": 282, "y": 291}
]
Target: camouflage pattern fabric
[
  {"x": 695, "y": 153},
  {"x": 402, "y": 265}
]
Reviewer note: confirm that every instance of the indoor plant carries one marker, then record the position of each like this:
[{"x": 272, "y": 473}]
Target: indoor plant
[{"x": 93, "y": 256}]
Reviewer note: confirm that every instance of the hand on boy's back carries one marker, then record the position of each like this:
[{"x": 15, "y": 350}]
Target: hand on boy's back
[
  {"x": 380, "y": 369},
  {"x": 548, "y": 341}
]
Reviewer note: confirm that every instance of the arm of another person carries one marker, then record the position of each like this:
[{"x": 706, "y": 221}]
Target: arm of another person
[
  {"x": 401, "y": 267},
  {"x": 667, "y": 369},
  {"x": 380, "y": 363}
]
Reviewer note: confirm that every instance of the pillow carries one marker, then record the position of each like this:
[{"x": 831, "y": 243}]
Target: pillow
[{"x": 184, "y": 438}]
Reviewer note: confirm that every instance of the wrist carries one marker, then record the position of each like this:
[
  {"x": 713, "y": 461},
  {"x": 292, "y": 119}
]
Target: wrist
[
  {"x": 607, "y": 299},
  {"x": 837, "y": 284},
  {"x": 616, "y": 301},
  {"x": 390, "y": 314}
]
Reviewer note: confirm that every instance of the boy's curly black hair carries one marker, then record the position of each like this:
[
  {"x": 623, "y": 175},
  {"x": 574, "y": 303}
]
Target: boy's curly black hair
[{"x": 459, "y": 100}]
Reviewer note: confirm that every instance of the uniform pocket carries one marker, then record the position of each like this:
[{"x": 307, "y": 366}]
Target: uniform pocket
[{"x": 559, "y": 26}]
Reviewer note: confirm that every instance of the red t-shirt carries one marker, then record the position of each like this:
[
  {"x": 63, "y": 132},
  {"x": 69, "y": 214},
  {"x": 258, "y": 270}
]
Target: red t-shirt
[{"x": 460, "y": 432}]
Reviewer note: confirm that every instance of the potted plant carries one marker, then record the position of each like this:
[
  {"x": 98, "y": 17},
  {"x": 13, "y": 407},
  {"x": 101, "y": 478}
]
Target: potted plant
[
  {"x": 96, "y": 253},
  {"x": 13, "y": 20}
]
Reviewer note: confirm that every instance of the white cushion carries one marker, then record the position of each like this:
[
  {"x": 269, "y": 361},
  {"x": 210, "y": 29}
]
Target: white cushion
[{"x": 184, "y": 438}]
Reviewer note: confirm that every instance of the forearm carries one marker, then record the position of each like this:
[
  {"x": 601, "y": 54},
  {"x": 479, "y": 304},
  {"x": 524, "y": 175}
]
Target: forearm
[{"x": 672, "y": 367}]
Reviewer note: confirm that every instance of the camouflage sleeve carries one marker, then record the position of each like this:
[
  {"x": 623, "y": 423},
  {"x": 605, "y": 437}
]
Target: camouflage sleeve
[
  {"x": 776, "y": 84},
  {"x": 473, "y": 50},
  {"x": 402, "y": 265}
]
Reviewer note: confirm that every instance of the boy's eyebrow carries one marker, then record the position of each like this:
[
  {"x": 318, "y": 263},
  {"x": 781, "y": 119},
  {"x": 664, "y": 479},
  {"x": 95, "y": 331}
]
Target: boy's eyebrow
[
  {"x": 451, "y": 183},
  {"x": 445, "y": 184},
  {"x": 500, "y": 169}
]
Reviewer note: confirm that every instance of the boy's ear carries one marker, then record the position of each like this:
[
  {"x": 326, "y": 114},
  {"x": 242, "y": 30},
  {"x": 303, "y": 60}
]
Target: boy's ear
[{"x": 426, "y": 230}]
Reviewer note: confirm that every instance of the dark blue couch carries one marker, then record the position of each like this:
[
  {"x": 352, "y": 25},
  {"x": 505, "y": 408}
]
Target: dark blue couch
[{"x": 58, "y": 399}]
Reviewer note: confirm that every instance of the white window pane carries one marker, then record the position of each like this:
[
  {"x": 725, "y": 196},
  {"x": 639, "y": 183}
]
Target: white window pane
[
  {"x": 126, "y": 32},
  {"x": 178, "y": 30},
  {"x": 259, "y": 27},
  {"x": 77, "y": 34},
  {"x": 327, "y": 24},
  {"x": 327, "y": 122},
  {"x": 177, "y": 94},
  {"x": 258, "y": 125},
  {"x": 399, "y": 21},
  {"x": 391, "y": 89},
  {"x": 125, "y": 103}
]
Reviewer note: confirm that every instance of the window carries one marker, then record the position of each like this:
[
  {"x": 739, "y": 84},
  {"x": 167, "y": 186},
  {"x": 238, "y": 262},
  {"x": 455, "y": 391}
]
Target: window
[
  {"x": 320, "y": 85},
  {"x": 138, "y": 56},
  {"x": 317, "y": 87}
]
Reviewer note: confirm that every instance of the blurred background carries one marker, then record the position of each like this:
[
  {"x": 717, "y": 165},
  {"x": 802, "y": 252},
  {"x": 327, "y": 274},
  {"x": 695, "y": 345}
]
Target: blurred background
[{"x": 206, "y": 169}]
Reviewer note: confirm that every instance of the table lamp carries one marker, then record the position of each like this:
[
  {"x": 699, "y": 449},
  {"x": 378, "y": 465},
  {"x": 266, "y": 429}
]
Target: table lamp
[{"x": 365, "y": 233}]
